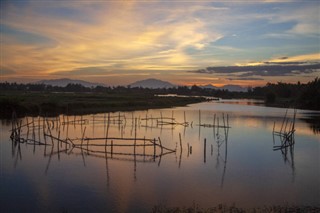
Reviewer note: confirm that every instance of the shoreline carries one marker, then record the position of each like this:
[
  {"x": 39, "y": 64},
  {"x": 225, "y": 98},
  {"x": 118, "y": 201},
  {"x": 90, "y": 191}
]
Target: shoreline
[
  {"x": 80, "y": 103},
  {"x": 53, "y": 104},
  {"x": 233, "y": 208}
]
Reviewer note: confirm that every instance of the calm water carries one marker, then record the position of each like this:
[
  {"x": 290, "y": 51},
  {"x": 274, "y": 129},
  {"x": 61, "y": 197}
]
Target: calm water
[{"x": 237, "y": 167}]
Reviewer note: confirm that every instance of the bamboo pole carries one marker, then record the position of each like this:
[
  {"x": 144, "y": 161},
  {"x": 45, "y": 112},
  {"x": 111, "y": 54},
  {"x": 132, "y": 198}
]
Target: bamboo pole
[
  {"x": 53, "y": 137},
  {"x": 154, "y": 149},
  {"x": 144, "y": 146},
  {"x": 180, "y": 142},
  {"x": 120, "y": 138},
  {"x": 160, "y": 146},
  {"x": 82, "y": 138},
  {"x": 285, "y": 128},
  {"x": 199, "y": 125},
  {"x": 180, "y": 158},
  {"x": 111, "y": 148},
  {"x": 49, "y": 132},
  {"x": 224, "y": 125},
  {"x": 13, "y": 122},
  {"x": 135, "y": 135},
  {"x": 204, "y": 150},
  {"x": 283, "y": 120},
  {"x": 106, "y": 139},
  {"x": 227, "y": 120},
  {"x": 58, "y": 145},
  {"x": 274, "y": 125}
]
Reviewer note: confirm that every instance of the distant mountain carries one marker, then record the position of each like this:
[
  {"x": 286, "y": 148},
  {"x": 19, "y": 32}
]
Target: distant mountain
[
  {"x": 62, "y": 82},
  {"x": 230, "y": 87},
  {"x": 209, "y": 86},
  {"x": 234, "y": 88},
  {"x": 156, "y": 83},
  {"x": 152, "y": 84}
]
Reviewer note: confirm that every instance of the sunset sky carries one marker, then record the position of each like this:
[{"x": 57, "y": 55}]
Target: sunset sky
[{"x": 184, "y": 42}]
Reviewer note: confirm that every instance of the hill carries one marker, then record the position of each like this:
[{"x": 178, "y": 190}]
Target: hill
[
  {"x": 62, "y": 82},
  {"x": 156, "y": 83},
  {"x": 230, "y": 87},
  {"x": 152, "y": 84},
  {"x": 233, "y": 88}
]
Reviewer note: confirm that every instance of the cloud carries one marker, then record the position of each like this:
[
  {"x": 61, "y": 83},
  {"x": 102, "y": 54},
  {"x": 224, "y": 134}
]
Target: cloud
[
  {"x": 282, "y": 66},
  {"x": 114, "y": 32},
  {"x": 83, "y": 71},
  {"x": 280, "y": 70},
  {"x": 6, "y": 71},
  {"x": 95, "y": 38},
  {"x": 270, "y": 70},
  {"x": 246, "y": 79},
  {"x": 306, "y": 58},
  {"x": 305, "y": 15}
]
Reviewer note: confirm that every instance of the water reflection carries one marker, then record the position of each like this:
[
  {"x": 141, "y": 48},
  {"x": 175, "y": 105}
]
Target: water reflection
[
  {"x": 313, "y": 119},
  {"x": 286, "y": 138},
  {"x": 249, "y": 108},
  {"x": 134, "y": 160},
  {"x": 220, "y": 140},
  {"x": 54, "y": 133}
]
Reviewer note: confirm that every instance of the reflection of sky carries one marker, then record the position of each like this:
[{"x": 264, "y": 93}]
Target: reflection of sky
[{"x": 254, "y": 176}]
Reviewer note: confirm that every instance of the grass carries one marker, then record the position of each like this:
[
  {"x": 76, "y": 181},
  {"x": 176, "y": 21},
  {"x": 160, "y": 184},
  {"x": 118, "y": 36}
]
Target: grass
[
  {"x": 51, "y": 104},
  {"x": 232, "y": 208}
]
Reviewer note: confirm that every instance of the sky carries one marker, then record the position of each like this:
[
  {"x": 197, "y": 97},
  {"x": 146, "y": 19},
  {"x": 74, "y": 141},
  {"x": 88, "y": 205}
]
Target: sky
[{"x": 248, "y": 43}]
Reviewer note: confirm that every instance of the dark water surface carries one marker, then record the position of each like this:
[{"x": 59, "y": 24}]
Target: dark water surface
[{"x": 238, "y": 165}]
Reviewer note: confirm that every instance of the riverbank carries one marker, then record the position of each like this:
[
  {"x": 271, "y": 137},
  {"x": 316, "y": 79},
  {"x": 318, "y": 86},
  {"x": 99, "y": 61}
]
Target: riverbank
[
  {"x": 235, "y": 209},
  {"x": 72, "y": 103}
]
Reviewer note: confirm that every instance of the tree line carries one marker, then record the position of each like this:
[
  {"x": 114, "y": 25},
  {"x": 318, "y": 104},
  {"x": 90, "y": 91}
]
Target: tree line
[{"x": 297, "y": 95}]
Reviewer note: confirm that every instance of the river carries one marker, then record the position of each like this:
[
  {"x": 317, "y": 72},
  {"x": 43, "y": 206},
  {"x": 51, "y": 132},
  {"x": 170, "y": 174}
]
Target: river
[{"x": 203, "y": 154}]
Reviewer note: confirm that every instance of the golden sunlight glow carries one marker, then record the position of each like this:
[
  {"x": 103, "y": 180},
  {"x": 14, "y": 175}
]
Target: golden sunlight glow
[
  {"x": 313, "y": 57},
  {"x": 307, "y": 58},
  {"x": 124, "y": 41},
  {"x": 119, "y": 38}
]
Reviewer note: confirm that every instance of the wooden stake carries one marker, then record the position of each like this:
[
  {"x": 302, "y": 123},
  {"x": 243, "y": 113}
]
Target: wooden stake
[
  {"x": 205, "y": 150},
  {"x": 160, "y": 145},
  {"x": 135, "y": 135},
  {"x": 283, "y": 120},
  {"x": 180, "y": 142},
  {"x": 144, "y": 146},
  {"x": 154, "y": 149},
  {"x": 111, "y": 148}
]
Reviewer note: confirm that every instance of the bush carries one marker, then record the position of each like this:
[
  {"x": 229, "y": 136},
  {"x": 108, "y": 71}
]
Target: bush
[{"x": 270, "y": 98}]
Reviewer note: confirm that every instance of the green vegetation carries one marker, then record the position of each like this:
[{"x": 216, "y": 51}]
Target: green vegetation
[
  {"x": 303, "y": 96},
  {"x": 76, "y": 99},
  {"x": 49, "y": 103},
  {"x": 195, "y": 208}
]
